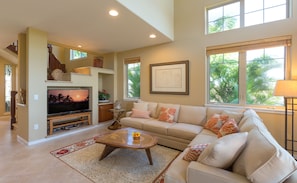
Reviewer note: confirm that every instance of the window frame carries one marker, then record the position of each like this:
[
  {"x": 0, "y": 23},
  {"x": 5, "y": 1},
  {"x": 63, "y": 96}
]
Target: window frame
[
  {"x": 80, "y": 52},
  {"x": 244, "y": 47},
  {"x": 128, "y": 61},
  {"x": 242, "y": 14}
]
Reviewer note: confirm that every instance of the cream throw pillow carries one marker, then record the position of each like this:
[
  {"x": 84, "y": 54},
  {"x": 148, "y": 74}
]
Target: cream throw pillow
[
  {"x": 143, "y": 106},
  {"x": 140, "y": 114},
  {"x": 224, "y": 151}
]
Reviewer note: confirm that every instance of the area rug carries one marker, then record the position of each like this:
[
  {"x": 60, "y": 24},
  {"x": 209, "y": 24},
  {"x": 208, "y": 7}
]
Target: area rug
[{"x": 121, "y": 166}]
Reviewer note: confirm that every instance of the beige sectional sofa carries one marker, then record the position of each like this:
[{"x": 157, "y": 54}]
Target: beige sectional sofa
[{"x": 250, "y": 155}]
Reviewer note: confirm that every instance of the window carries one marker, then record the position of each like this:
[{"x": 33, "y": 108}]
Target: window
[
  {"x": 250, "y": 12},
  {"x": 224, "y": 18},
  {"x": 246, "y": 73},
  {"x": 75, "y": 54},
  {"x": 263, "y": 11},
  {"x": 132, "y": 78},
  {"x": 8, "y": 86}
]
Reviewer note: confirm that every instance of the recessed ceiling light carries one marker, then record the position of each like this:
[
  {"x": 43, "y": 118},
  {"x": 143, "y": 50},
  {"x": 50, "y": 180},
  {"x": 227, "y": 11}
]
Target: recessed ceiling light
[
  {"x": 113, "y": 13},
  {"x": 79, "y": 46},
  {"x": 153, "y": 36}
]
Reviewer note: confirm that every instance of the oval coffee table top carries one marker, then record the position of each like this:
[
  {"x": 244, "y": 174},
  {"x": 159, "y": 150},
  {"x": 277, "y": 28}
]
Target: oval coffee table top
[{"x": 123, "y": 138}]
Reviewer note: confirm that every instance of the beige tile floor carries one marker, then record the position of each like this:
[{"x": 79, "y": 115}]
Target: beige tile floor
[{"x": 34, "y": 163}]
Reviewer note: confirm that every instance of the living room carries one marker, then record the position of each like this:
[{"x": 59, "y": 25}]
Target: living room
[{"x": 190, "y": 43}]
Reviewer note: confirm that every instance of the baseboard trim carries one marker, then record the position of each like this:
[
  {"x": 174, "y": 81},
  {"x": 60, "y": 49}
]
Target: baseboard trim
[{"x": 52, "y": 137}]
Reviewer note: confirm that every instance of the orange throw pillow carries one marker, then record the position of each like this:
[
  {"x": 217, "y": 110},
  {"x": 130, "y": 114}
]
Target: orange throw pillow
[
  {"x": 229, "y": 127},
  {"x": 167, "y": 114},
  {"x": 215, "y": 123}
]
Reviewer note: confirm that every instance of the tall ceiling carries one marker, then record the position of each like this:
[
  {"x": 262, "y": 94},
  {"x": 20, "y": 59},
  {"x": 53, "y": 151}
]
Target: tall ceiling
[{"x": 78, "y": 22}]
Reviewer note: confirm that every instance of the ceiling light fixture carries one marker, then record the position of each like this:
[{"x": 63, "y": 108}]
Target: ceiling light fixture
[
  {"x": 113, "y": 13},
  {"x": 79, "y": 46},
  {"x": 153, "y": 36}
]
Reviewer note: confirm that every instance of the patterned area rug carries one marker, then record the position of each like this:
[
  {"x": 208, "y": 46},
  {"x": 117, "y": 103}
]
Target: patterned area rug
[{"x": 121, "y": 166}]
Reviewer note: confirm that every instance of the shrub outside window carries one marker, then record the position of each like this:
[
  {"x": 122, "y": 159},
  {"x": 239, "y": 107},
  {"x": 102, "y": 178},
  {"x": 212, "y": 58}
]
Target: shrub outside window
[{"x": 132, "y": 78}]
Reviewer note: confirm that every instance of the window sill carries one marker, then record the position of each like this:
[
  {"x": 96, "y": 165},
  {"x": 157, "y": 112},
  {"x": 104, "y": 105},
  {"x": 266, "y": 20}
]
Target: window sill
[{"x": 271, "y": 110}]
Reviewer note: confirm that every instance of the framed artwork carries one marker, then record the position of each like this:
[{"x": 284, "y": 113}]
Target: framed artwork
[{"x": 170, "y": 78}]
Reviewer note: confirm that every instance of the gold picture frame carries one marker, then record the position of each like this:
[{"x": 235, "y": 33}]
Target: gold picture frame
[{"x": 170, "y": 78}]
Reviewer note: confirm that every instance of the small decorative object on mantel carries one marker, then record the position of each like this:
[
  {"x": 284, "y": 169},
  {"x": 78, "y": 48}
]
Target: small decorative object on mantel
[
  {"x": 98, "y": 62},
  {"x": 103, "y": 96}
]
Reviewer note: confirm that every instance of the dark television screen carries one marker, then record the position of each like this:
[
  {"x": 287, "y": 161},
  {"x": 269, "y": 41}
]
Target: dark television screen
[{"x": 67, "y": 100}]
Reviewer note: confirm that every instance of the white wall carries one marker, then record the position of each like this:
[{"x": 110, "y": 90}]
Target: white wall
[{"x": 158, "y": 13}]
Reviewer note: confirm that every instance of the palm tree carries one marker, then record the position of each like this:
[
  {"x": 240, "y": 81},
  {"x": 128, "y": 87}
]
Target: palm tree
[{"x": 134, "y": 82}]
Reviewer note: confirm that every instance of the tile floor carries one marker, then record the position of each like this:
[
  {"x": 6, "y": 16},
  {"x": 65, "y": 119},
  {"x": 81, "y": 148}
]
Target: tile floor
[{"x": 30, "y": 164}]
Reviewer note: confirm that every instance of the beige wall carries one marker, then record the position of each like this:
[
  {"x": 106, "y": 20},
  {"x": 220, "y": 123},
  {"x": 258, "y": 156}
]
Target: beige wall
[{"x": 190, "y": 44}]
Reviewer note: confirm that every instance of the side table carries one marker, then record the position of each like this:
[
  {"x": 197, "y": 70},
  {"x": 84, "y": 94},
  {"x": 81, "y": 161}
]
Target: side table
[{"x": 117, "y": 114}]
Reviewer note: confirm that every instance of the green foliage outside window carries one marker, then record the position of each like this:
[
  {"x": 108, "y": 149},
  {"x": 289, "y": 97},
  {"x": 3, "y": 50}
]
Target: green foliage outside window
[
  {"x": 224, "y": 80},
  {"x": 134, "y": 80}
]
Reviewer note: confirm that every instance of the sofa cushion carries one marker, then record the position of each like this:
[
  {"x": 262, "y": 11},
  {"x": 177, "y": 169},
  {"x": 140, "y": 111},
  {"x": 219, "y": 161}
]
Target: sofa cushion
[
  {"x": 228, "y": 127},
  {"x": 236, "y": 115},
  {"x": 250, "y": 120},
  {"x": 215, "y": 123},
  {"x": 143, "y": 106},
  {"x": 166, "y": 114},
  {"x": 193, "y": 152},
  {"x": 192, "y": 115},
  {"x": 184, "y": 130},
  {"x": 205, "y": 136},
  {"x": 216, "y": 110},
  {"x": 223, "y": 152},
  {"x": 174, "y": 106},
  {"x": 152, "y": 107},
  {"x": 177, "y": 173},
  {"x": 157, "y": 126},
  {"x": 134, "y": 122},
  {"x": 140, "y": 114},
  {"x": 263, "y": 159}
]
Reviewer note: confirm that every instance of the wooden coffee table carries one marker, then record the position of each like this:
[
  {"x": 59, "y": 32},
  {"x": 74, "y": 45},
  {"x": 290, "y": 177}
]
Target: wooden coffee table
[{"x": 123, "y": 138}]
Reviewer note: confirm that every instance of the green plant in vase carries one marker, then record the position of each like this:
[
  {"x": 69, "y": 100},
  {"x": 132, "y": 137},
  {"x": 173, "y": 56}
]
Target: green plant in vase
[{"x": 103, "y": 96}]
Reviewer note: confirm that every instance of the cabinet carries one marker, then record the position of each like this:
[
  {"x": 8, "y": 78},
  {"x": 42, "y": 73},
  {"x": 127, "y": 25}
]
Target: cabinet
[
  {"x": 66, "y": 120},
  {"x": 104, "y": 112}
]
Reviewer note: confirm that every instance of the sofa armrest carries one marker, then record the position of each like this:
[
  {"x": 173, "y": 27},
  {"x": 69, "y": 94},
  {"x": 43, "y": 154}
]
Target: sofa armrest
[{"x": 198, "y": 172}]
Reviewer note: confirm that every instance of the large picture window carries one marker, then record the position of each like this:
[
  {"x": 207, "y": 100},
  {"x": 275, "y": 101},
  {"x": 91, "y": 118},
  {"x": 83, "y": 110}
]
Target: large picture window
[{"x": 246, "y": 73}]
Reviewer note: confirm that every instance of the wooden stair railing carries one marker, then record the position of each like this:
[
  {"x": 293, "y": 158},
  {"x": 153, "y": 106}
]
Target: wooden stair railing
[
  {"x": 13, "y": 47},
  {"x": 54, "y": 63}
]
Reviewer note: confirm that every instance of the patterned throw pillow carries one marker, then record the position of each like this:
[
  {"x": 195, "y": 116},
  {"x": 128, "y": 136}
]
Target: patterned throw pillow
[
  {"x": 140, "y": 114},
  {"x": 229, "y": 127},
  {"x": 167, "y": 114},
  {"x": 215, "y": 123},
  {"x": 194, "y": 152}
]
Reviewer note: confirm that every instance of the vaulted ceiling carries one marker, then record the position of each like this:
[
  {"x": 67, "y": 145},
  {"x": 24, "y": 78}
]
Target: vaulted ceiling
[{"x": 79, "y": 22}]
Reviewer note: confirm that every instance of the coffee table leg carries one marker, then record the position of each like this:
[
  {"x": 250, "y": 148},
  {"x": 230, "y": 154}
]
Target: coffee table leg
[
  {"x": 107, "y": 150},
  {"x": 149, "y": 156}
]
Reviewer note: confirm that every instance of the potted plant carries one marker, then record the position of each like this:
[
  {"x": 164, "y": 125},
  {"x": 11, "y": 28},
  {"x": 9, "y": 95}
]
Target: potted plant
[{"x": 103, "y": 96}]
